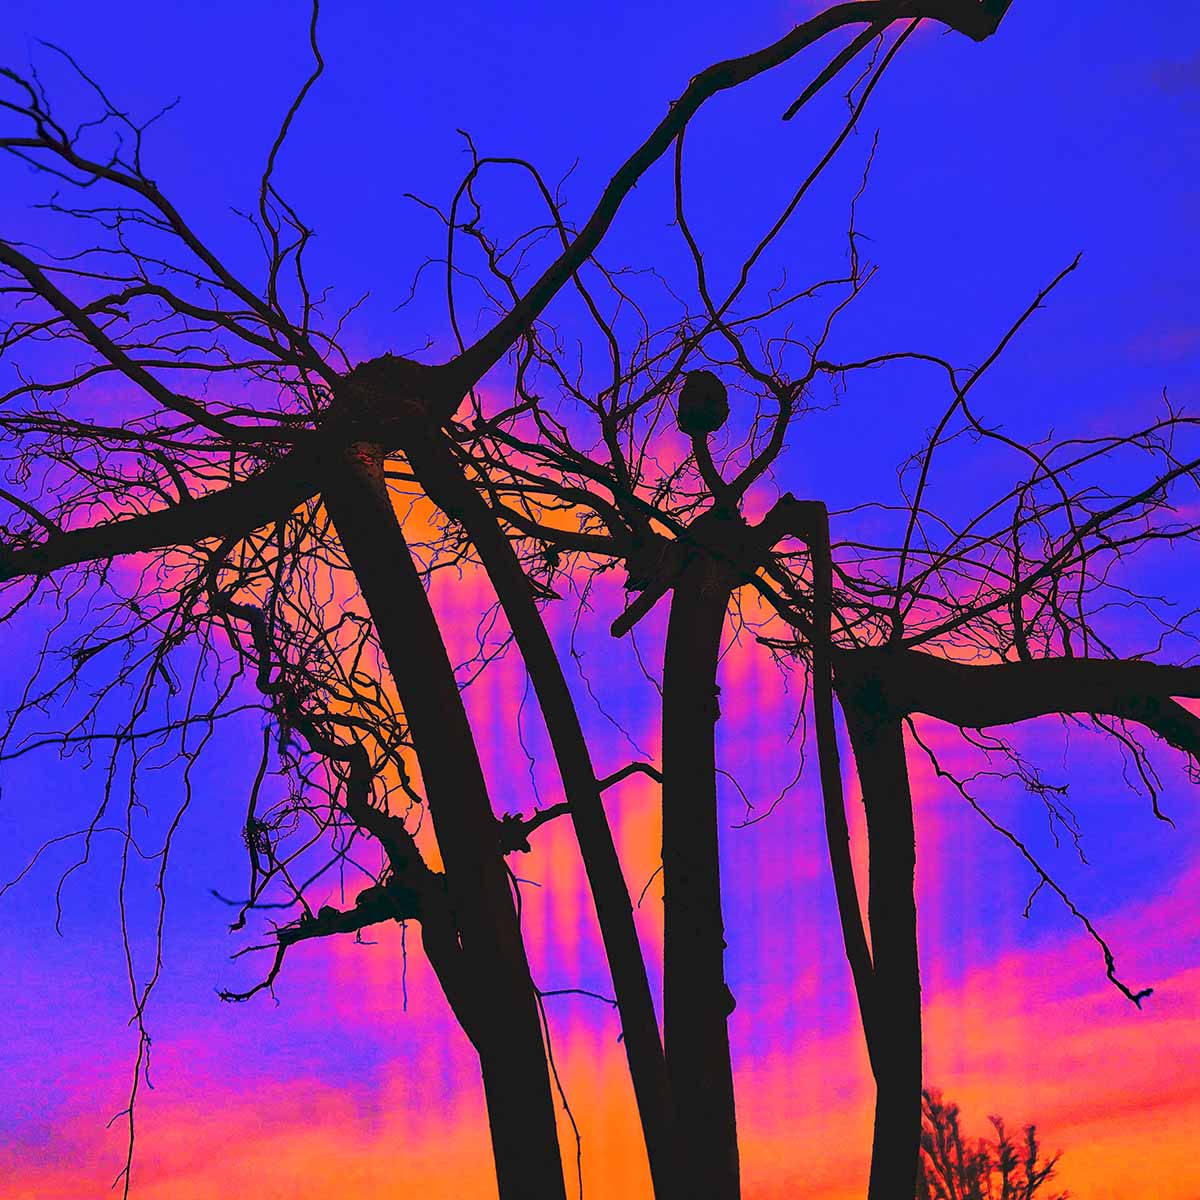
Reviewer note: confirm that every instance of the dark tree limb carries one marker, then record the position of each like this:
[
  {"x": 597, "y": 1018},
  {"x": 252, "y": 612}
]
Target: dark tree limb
[
  {"x": 482, "y": 952},
  {"x": 515, "y": 829},
  {"x": 976, "y": 697},
  {"x": 809, "y": 521},
  {"x": 372, "y": 907},
  {"x": 697, "y": 1002},
  {"x": 895, "y": 1036},
  {"x": 432, "y": 459},
  {"x": 240, "y": 508},
  {"x": 978, "y": 20}
]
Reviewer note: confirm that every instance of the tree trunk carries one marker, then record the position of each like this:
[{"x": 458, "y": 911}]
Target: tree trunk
[
  {"x": 815, "y": 530},
  {"x": 505, "y": 1028},
  {"x": 895, "y": 1033},
  {"x": 442, "y": 478},
  {"x": 696, "y": 1001}
]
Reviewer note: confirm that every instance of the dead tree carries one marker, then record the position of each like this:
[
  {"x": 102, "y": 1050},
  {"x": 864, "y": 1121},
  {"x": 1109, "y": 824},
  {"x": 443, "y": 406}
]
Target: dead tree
[
  {"x": 984, "y": 621},
  {"x": 289, "y": 483},
  {"x": 682, "y": 534}
]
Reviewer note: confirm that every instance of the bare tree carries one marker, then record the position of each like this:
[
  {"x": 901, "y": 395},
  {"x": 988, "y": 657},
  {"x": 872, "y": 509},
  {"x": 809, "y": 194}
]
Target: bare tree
[
  {"x": 953, "y": 1167},
  {"x": 255, "y": 515},
  {"x": 987, "y": 618}
]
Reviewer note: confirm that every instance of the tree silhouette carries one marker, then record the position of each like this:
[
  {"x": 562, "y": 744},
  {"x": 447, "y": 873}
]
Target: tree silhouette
[
  {"x": 953, "y": 1167},
  {"x": 270, "y": 551},
  {"x": 986, "y": 619}
]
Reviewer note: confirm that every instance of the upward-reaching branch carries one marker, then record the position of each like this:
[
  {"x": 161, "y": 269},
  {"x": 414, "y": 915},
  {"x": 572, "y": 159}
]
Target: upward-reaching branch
[{"x": 978, "y": 19}]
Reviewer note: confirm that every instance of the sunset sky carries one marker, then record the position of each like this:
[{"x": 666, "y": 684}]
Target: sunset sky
[{"x": 1074, "y": 130}]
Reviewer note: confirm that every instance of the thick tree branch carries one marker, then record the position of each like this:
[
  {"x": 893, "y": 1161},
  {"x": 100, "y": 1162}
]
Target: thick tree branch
[
  {"x": 238, "y": 509},
  {"x": 976, "y": 697}
]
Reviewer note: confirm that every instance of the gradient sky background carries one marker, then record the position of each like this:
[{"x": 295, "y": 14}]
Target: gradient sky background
[{"x": 1075, "y": 129}]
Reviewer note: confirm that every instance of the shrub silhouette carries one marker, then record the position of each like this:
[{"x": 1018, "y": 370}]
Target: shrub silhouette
[{"x": 953, "y": 1167}]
